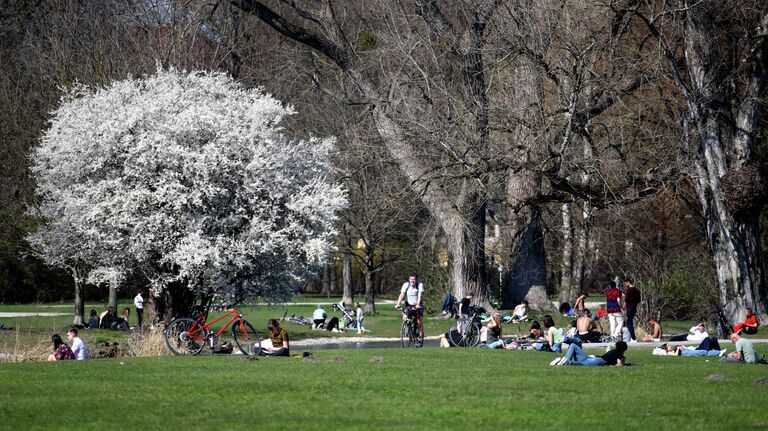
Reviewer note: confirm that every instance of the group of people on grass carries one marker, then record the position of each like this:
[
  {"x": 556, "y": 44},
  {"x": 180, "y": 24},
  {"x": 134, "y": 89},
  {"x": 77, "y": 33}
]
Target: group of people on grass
[{"x": 551, "y": 338}]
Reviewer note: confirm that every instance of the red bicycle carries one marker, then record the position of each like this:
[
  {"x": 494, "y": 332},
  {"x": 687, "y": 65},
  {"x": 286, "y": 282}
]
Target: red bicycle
[{"x": 189, "y": 335}]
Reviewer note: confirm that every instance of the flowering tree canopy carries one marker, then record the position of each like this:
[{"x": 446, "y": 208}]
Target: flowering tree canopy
[{"x": 188, "y": 177}]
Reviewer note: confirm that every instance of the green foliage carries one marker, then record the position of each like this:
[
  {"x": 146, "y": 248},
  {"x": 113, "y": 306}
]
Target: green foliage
[
  {"x": 389, "y": 389},
  {"x": 368, "y": 40},
  {"x": 689, "y": 292}
]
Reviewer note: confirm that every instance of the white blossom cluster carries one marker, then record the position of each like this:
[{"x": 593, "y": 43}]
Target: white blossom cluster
[{"x": 190, "y": 178}]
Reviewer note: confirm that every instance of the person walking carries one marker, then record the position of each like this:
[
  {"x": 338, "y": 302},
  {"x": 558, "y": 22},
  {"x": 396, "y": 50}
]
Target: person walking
[
  {"x": 360, "y": 317},
  {"x": 631, "y": 301},
  {"x": 138, "y": 302},
  {"x": 613, "y": 307}
]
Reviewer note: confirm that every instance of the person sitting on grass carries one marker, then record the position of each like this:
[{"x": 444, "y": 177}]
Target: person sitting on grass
[
  {"x": 61, "y": 351},
  {"x": 697, "y": 333},
  {"x": 586, "y": 328},
  {"x": 121, "y": 322},
  {"x": 279, "y": 339},
  {"x": 78, "y": 347},
  {"x": 107, "y": 318},
  {"x": 93, "y": 320},
  {"x": 576, "y": 356},
  {"x": 745, "y": 351},
  {"x": 520, "y": 313},
  {"x": 333, "y": 325},
  {"x": 492, "y": 333},
  {"x": 318, "y": 317},
  {"x": 655, "y": 328},
  {"x": 749, "y": 325},
  {"x": 554, "y": 336}
]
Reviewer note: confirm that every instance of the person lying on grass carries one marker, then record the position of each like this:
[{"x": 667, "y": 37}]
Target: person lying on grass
[
  {"x": 708, "y": 347},
  {"x": 697, "y": 333},
  {"x": 61, "y": 351},
  {"x": 576, "y": 356}
]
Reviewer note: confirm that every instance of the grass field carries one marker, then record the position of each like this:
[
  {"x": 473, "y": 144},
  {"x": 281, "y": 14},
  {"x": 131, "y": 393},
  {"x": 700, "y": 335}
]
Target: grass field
[{"x": 424, "y": 389}]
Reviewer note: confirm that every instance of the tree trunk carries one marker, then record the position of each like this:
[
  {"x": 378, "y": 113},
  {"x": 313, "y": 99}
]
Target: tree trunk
[
  {"x": 346, "y": 276},
  {"x": 112, "y": 303},
  {"x": 566, "y": 267},
  {"x": 79, "y": 279},
  {"x": 370, "y": 293},
  {"x": 332, "y": 276},
  {"x": 730, "y": 186},
  {"x": 526, "y": 277},
  {"x": 581, "y": 232},
  {"x": 326, "y": 277}
]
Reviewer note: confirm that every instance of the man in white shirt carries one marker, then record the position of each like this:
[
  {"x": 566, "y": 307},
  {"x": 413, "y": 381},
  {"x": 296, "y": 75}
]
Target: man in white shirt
[
  {"x": 78, "y": 347},
  {"x": 697, "y": 333},
  {"x": 138, "y": 301},
  {"x": 412, "y": 291}
]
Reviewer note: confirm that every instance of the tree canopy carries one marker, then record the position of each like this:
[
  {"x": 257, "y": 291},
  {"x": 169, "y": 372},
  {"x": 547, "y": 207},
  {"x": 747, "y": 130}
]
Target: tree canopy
[{"x": 189, "y": 178}]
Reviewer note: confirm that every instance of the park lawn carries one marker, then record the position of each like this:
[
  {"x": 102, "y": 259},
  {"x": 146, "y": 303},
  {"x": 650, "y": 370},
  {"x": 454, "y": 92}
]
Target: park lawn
[{"x": 419, "y": 389}]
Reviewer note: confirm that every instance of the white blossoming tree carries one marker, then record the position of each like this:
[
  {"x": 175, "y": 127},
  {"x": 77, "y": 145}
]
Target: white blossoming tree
[{"x": 189, "y": 178}]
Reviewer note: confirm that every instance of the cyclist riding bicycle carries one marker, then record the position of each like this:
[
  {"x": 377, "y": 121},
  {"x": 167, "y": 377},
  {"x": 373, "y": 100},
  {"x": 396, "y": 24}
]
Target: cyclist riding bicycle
[{"x": 412, "y": 291}]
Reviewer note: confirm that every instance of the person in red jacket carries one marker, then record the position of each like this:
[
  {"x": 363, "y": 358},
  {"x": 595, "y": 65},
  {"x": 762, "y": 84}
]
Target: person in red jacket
[{"x": 749, "y": 325}]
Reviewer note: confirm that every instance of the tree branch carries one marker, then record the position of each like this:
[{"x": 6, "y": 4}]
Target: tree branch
[{"x": 295, "y": 32}]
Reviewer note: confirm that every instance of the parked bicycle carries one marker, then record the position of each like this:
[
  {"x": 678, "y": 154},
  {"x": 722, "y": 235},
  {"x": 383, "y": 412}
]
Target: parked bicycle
[
  {"x": 466, "y": 332},
  {"x": 189, "y": 335},
  {"x": 409, "y": 330}
]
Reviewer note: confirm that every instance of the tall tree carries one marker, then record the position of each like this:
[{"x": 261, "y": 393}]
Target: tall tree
[
  {"x": 190, "y": 178},
  {"x": 716, "y": 56}
]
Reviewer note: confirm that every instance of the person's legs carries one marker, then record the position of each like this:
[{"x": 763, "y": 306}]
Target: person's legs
[
  {"x": 630, "y": 322},
  {"x": 139, "y": 316},
  {"x": 360, "y": 325},
  {"x": 494, "y": 345},
  {"x": 420, "y": 323},
  {"x": 709, "y": 343},
  {"x": 281, "y": 352},
  {"x": 732, "y": 360},
  {"x": 679, "y": 337},
  {"x": 697, "y": 352},
  {"x": 593, "y": 362},
  {"x": 616, "y": 320},
  {"x": 619, "y": 324},
  {"x": 575, "y": 354}
]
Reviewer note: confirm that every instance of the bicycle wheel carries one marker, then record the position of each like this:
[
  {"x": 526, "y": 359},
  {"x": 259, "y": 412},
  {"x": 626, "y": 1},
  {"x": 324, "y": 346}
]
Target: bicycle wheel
[
  {"x": 405, "y": 334},
  {"x": 185, "y": 336},
  {"x": 472, "y": 335},
  {"x": 247, "y": 341},
  {"x": 456, "y": 333}
]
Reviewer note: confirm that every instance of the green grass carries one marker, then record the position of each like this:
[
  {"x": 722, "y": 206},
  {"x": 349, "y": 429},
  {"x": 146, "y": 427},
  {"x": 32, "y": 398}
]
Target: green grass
[{"x": 422, "y": 389}]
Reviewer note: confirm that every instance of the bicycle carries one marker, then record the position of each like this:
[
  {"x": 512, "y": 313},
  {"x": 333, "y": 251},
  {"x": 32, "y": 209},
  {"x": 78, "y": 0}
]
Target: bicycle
[
  {"x": 466, "y": 332},
  {"x": 189, "y": 335},
  {"x": 409, "y": 330}
]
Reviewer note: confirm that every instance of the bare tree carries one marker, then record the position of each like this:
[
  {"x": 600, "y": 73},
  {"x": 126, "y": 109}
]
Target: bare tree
[{"x": 717, "y": 59}]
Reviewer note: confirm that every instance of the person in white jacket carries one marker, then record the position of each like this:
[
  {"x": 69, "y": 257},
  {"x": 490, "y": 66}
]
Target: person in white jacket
[{"x": 697, "y": 333}]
